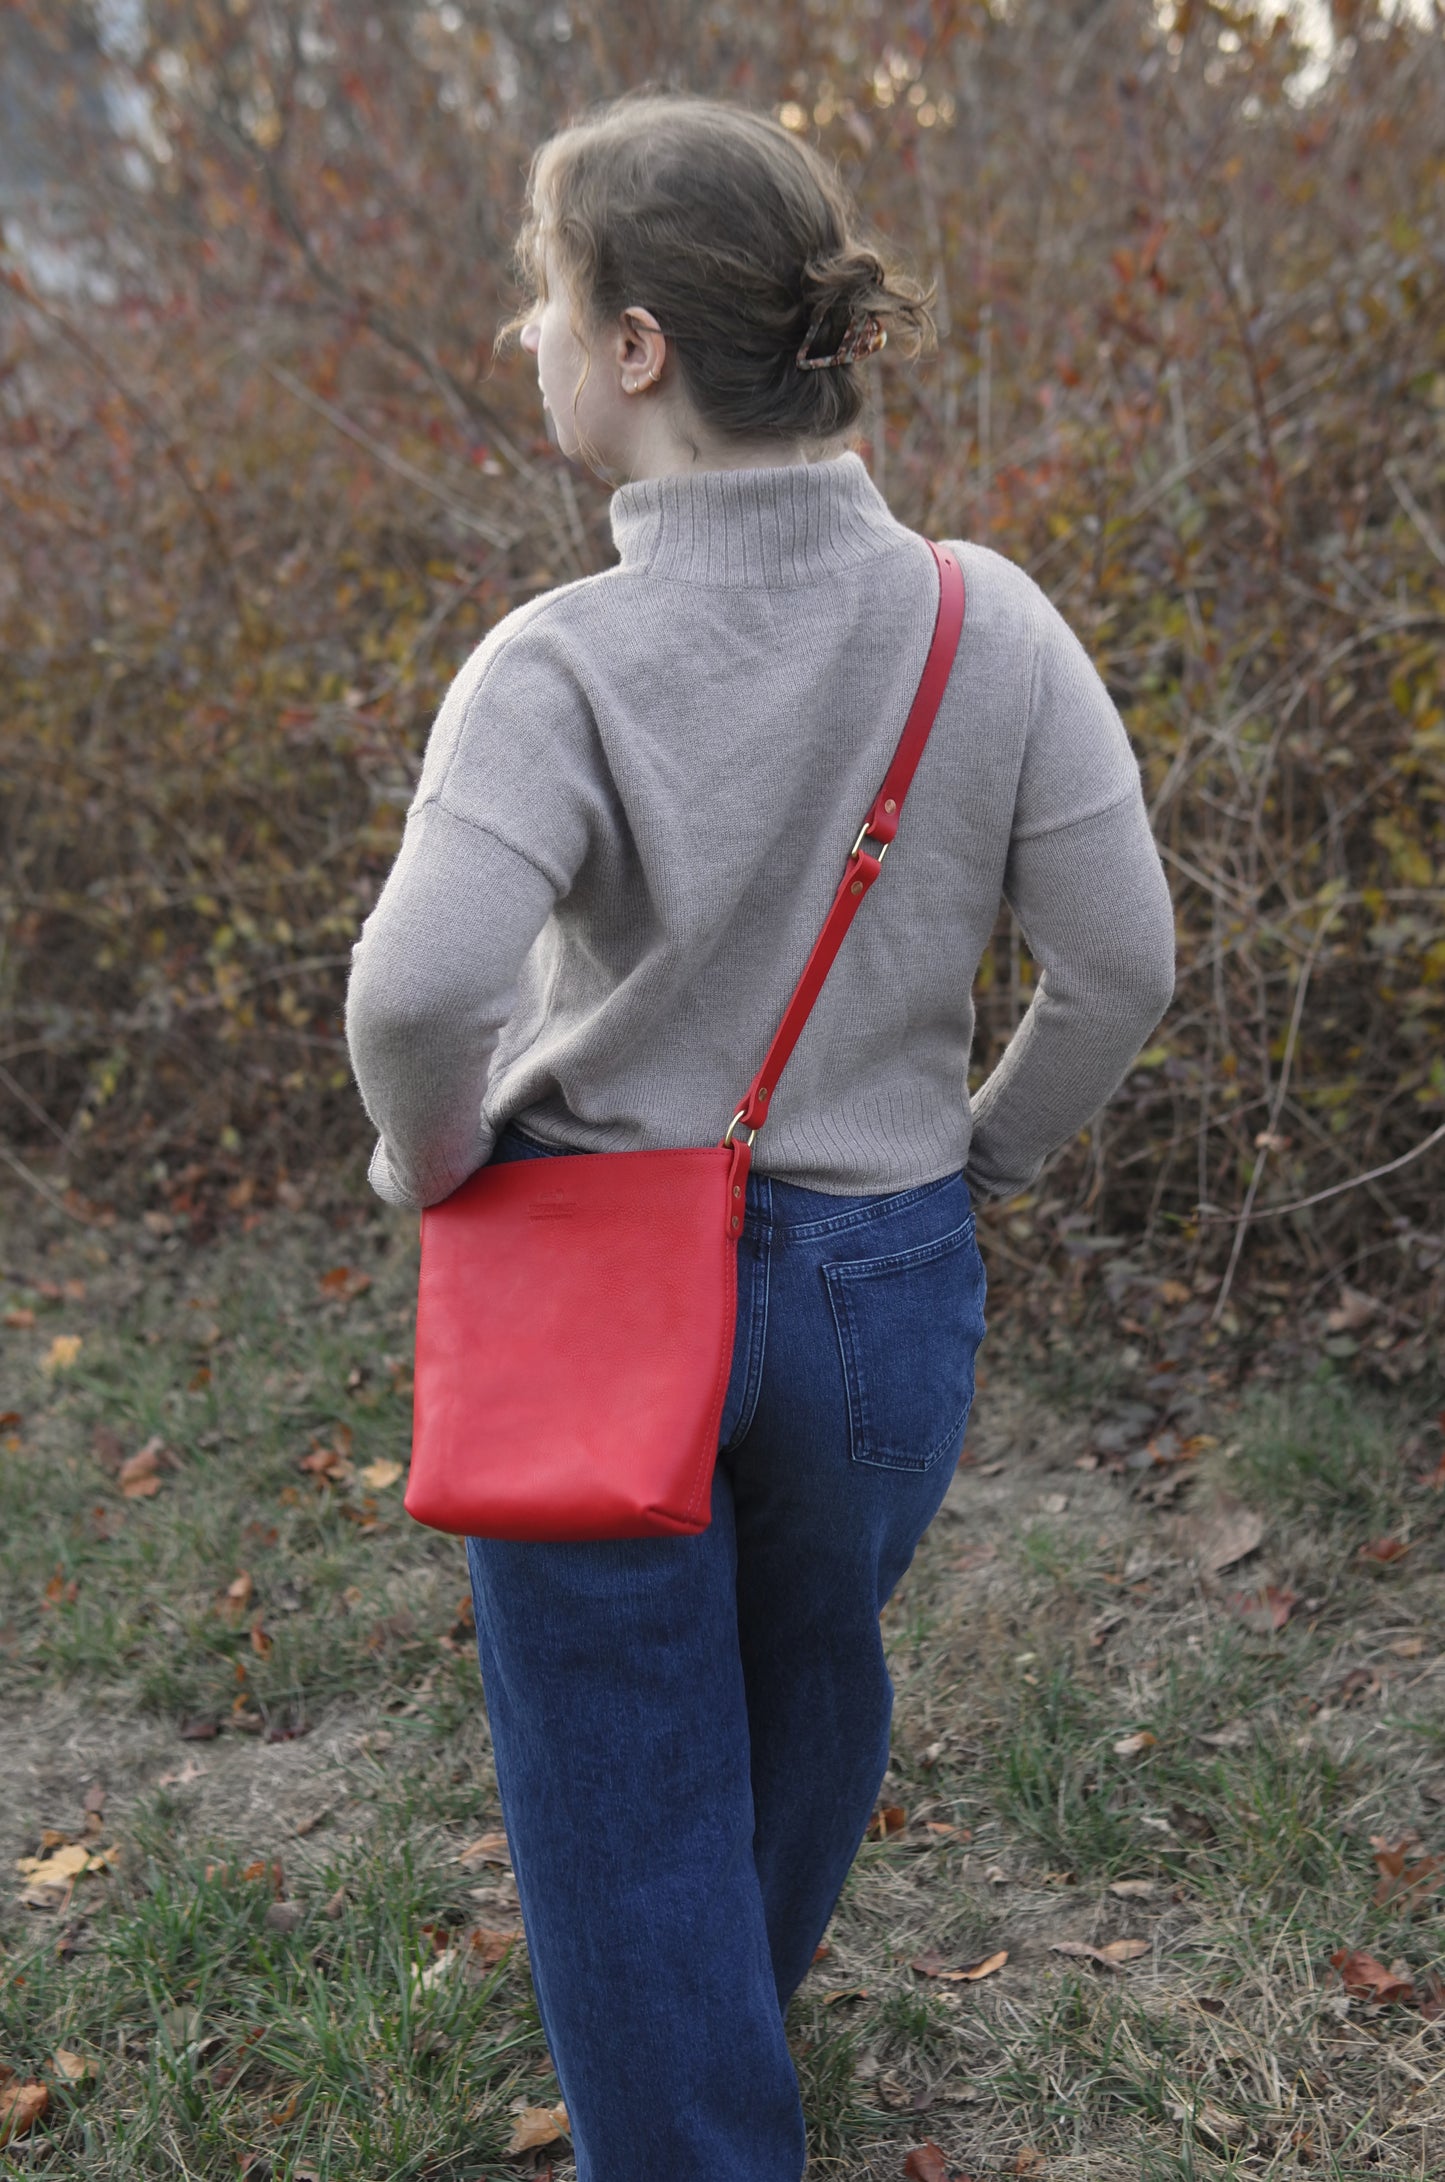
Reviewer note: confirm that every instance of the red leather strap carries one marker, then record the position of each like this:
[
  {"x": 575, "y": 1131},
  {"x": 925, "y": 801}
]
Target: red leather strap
[{"x": 865, "y": 859}]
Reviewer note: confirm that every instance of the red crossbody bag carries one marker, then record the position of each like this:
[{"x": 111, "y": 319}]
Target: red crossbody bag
[{"x": 575, "y": 1314}]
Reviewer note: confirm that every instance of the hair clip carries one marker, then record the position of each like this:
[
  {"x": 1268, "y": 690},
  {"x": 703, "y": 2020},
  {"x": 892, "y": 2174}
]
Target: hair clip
[{"x": 864, "y": 337}]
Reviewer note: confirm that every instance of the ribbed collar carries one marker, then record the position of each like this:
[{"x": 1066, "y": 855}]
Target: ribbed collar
[{"x": 777, "y": 526}]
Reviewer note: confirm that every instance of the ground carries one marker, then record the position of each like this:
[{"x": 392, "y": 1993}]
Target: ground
[{"x": 1171, "y": 1687}]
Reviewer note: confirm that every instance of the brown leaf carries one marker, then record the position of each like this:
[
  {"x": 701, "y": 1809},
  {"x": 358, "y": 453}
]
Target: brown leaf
[
  {"x": 1133, "y": 1746},
  {"x": 21, "y": 1320},
  {"x": 1231, "y": 1534},
  {"x": 926, "y": 2163},
  {"x": 202, "y": 1729},
  {"x": 1112, "y": 1957},
  {"x": 536, "y": 2125},
  {"x": 1028, "y": 2160},
  {"x": 1404, "y": 1880},
  {"x": 889, "y": 1818},
  {"x": 21, "y": 2106},
  {"x": 239, "y": 1589},
  {"x": 343, "y": 1284},
  {"x": 138, "y": 1478},
  {"x": 483, "y": 1947},
  {"x": 72, "y": 2067},
  {"x": 1365, "y": 1978},
  {"x": 335, "y": 1907},
  {"x": 488, "y": 1848},
  {"x": 278, "y": 2116},
  {"x": 844, "y": 1992},
  {"x": 261, "y": 1644},
  {"x": 1264, "y": 1610},
  {"x": 1382, "y": 1551}
]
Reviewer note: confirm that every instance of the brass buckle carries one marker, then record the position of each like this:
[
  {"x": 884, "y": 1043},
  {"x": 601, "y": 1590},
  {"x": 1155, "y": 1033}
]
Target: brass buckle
[
  {"x": 728, "y": 1132},
  {"x": 865, "y": 835}
]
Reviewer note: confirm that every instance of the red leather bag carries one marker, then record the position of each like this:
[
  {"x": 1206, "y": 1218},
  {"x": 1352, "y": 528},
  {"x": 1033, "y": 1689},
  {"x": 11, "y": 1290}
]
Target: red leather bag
[{"x": 575, "y": 1315}]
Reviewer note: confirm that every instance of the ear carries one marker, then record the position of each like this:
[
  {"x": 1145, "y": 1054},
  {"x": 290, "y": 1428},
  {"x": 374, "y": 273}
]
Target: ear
[{"x": 642, "y": 346}]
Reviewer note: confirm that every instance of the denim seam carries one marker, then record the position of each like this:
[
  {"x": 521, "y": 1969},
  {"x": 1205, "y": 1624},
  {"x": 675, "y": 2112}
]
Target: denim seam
[
  {"x": 757, "y": 1330},
  {"x": 877, "y": 1209}
]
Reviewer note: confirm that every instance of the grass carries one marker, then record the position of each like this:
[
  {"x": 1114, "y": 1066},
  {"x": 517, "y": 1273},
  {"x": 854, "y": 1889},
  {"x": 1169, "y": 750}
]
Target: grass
[{"x": 243, "y": 1986}]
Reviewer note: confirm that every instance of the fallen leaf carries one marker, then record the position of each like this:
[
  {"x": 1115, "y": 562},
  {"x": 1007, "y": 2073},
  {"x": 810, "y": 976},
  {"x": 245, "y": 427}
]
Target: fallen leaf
[
  {"x": 378, "y": 1475},
  {"x": 926, "y": 2163},
  {"x": 344, "y": 1284},
  {"x": 239, "y": 1589},
  {"x": 1112, "y": 1957},
  {"x": 536, "y": 2125},
  {"x": 1132, "y": 1890},
  {"x": 21, "y": 2106},
  {"x": 488, "y": 1848},
  {"x": 71, "y": 2067},
  {"x": 261, "y": 1644},
  {"x": 844, "y": 1992},
  {"x": 188, "y": 1772},
  {"x": 1354, "y": 1310},
  {"x": 62, "y": 1864},
  {"x": 889, "y": 1818},
  {"x": 1209, "y": 2118},
  {"x": 335, "y": 1907},
  {"x": 278, "y": 2116},
  {"x": 202, "y": 1729},
  {"x": 1407, "y": 1647},
  {"x": 1131, "y": 1746},
  {"x": 20, "y": 1320},
  {"x": 947, "y": 1832},
  {"x": 139, "y": 1477},
  {"x": 992, "y": 1469},
  {"x": 60, "y": 1356},
  {"x": 1384, "y": 1550},
  {"x": 1365, "y": 1978},
  {"x": 1231, "y": 1534},
  {"x": 304, "y": 1826},
  {"x": 61, "y": 1591},
  {"x": 1406, "y": 1878},
  {"x": 1053, "y": 1503},
  {"x": 483, "y": 1947},
  {"x": 1028, "y": 2160},
  {"x": 1266, "y": 1610},
  {"x": 284, "y": 1917}
]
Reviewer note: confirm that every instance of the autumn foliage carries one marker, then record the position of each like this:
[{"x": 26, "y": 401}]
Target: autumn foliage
[{"x": 267, "y": 486}]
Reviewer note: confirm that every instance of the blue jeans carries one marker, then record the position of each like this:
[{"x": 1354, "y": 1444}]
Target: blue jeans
[{"x": 690, "y": 1733}]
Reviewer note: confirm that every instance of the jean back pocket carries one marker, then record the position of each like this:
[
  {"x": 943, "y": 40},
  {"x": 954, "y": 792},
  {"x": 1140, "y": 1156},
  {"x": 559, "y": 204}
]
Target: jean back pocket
[{"x": 909, "y": 1328}]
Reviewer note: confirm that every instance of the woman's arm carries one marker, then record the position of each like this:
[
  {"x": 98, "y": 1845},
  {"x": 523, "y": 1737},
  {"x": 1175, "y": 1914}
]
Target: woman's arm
[
  {"x": 509, "y": 796},
  {"x": 433, "y": 984},
  {"x": 1085, "y": 881}
]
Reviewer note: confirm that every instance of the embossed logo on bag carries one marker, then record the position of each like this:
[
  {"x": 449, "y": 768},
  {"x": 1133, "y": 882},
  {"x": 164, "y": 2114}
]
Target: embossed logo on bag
[{"x": 556, "y": 1207}]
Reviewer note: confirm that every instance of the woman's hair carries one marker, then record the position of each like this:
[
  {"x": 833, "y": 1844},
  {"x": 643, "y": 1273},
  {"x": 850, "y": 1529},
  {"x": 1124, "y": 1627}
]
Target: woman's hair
[{"x": 734, "y": 234}]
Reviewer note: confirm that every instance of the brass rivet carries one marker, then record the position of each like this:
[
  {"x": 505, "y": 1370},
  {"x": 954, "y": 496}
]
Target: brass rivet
[
  {"x": 857, "y": 887},
  {"x": 735, "y": 1219},
  {"x": 762, "y": 1090},
  {"x": 736, "y": 1190},
  {"x": 890, "y": 805}
]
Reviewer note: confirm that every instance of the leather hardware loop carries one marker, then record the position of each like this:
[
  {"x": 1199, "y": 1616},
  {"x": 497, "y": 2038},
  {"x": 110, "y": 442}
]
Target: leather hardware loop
[
  {"x": 864, "y": 835},
  {"x": 728, "y": 1132}
]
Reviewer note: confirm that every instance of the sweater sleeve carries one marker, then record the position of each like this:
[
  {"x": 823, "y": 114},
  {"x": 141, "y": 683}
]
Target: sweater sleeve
[
  {"x": 499, "y": 827},
  {"x": 1084, "y": 879}
]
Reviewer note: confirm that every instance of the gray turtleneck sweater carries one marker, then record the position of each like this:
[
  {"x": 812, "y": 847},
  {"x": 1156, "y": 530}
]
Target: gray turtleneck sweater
[{"x": 635, "y": 806}]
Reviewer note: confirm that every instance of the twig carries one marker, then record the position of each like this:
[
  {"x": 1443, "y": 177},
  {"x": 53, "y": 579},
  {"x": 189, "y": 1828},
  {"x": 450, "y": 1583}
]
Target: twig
[
  {"x": 1336, "y": 1189},
  {"x": 1281, "y": 1086},
  {"x": 1415, "y": 512},
  {"x": 42, "y": 1189}
]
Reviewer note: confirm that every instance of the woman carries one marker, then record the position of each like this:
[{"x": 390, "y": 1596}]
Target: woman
[{"x": 634, "y": 808}]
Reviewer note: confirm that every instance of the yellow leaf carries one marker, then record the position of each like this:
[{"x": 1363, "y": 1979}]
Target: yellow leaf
[
  {"x": 987, "y": 1967},
  {"x": 55, "y": 1869},
  {"x": 378, "y": 1475},
  {"x": 60, "y": 1355},
  {"x": 537, "y": 2125}
]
